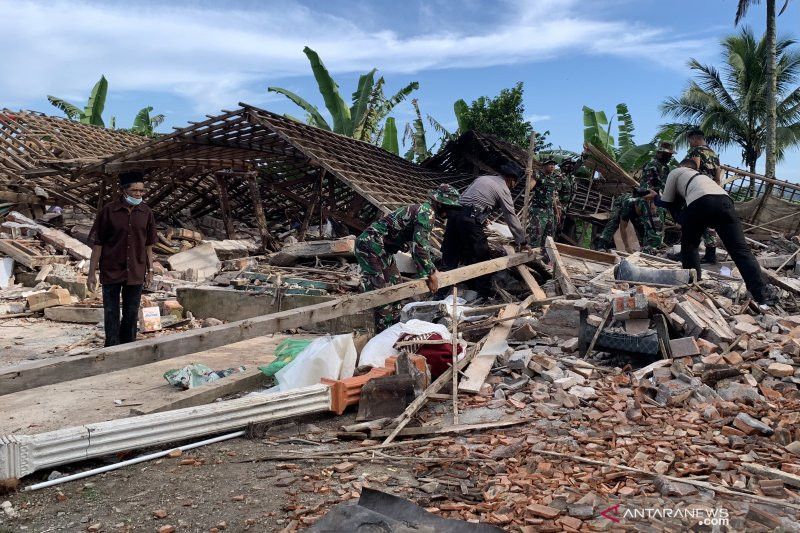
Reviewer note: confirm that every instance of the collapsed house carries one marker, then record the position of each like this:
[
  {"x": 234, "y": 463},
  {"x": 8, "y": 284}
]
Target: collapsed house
[{"x": 599, "y": 379}]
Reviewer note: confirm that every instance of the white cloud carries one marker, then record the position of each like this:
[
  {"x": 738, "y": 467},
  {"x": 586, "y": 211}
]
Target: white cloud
[
  {"x": 537, "y": 118},
  {"x": 215, "y": 57}
]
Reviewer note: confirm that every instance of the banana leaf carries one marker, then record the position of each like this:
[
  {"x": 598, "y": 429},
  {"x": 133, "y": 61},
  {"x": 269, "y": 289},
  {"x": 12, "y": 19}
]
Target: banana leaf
[
  {"x": 93, "y": 114},
  {"x": 316, "y": 117},
  {"x": 625, "y": 128},
  {"x": 390, "y": 137},
  {"x": 635, "y": 157},
  {"x": 72, "y": 112},
  {"x": 330, "y": 93},
  {"x": 595, "y": 131},
  {"x": 461, "y": 109},
  {"x": 361, "y": 100}
]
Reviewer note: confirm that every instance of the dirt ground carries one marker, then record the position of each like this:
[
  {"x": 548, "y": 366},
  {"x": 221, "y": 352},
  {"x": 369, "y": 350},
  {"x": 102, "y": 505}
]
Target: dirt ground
[
  {"x": 216, "y": 491},
  {"x": 24, "y": 339}
]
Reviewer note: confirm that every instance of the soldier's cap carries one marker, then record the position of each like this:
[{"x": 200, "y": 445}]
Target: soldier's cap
[
  {"x": 695, "y": 132},
  {"x": 446, "y": 195},
  {"x": 666, "y": 146},
  {"x": 549, "y": 161},
  {"x": 512, "y": 171}
]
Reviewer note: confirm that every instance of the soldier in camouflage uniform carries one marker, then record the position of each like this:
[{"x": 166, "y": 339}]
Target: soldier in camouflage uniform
[
  {"x": 567, "y": 190},
  {"x": 544, "y": 205},
  {"x": 707, "y": 163},
  {"x": 648, "y": 221},
  {"x": 409, "y": 228}
]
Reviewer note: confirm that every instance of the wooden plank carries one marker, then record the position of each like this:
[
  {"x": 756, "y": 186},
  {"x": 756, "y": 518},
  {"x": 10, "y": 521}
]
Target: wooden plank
[
  {"x": 527, "y": 277},
  {"x": 495, "y": 345},
  {"x": 567, "y": 287},
  {"x": 57, "y": 369},
  {"x": 251, "y": 378},
  {"x": 585, "y": 253}
]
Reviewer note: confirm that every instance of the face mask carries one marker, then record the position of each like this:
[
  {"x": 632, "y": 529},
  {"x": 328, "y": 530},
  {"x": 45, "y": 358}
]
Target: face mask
[{"x": 133, "y": 201}]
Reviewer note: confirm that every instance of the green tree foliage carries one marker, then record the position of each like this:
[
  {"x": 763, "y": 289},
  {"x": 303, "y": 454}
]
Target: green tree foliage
[
  {"x": 730, "y": 104},
  {"x": 503, "y": 115},
  {"x": 92, "y": 113},
  {"x": 625, "y": 127},
  {"x": 369, "y": 105}
]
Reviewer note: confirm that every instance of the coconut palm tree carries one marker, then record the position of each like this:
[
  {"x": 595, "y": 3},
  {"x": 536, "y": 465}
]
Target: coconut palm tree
[
  {"x": 730, "y": 104},
  {"x": 771, "y": 74},
  {"x": 370, "y": 106}
]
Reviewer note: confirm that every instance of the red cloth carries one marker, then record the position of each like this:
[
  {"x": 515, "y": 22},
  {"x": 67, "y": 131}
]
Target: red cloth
[{"x": 438, "y": 356}]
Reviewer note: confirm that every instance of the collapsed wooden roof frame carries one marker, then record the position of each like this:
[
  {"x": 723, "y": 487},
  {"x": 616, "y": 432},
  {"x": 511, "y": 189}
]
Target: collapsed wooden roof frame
[
  {"x": 29, "y": 140},
  {"x": 210, "y": 165}
]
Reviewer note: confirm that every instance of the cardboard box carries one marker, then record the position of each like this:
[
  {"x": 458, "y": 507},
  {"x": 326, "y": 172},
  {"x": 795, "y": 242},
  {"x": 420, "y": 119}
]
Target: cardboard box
[{"x": 149, "y": 319}]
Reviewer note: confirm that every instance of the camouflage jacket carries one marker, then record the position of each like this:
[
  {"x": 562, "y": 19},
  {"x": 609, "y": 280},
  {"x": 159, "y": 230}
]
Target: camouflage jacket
[
  {"x": 654, "y": 175},
  {"x": 709, "y": 161},
  {"x": 566, "y": 190},
  {"x": 407, "y": 228},
  {"x": 548, "y": 188}
]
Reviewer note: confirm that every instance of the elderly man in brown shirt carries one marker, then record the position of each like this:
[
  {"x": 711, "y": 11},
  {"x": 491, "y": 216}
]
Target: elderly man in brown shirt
[{"x": 123, "y": 236}]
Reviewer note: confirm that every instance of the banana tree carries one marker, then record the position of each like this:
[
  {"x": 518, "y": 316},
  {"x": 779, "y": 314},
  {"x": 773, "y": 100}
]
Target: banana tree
[
  {"x": 145, "y": 123},
  {"x": 389, "y": 137},
  {"x": 418, "y": 150},
  {"x": 629, "y": 155},
  {"x": 362, "y": 119},
  {"x": 460, "y": 109},
  {"x": 92, "y": 113}
]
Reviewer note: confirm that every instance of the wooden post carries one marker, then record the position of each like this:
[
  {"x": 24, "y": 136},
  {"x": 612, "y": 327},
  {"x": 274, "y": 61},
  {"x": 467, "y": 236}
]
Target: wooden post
[
  {"x": 528, "y": 176},
  {"x": 312, "y": 205},
  {"x": 102, "y": 190},
  {"x": 267, "y": 242},
  {"x": 225, "y": 206},
  {"x": 454, "y": 342}
]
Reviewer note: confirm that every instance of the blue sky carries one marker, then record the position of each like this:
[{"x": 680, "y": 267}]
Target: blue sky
[{"x": 192, "y": 58}]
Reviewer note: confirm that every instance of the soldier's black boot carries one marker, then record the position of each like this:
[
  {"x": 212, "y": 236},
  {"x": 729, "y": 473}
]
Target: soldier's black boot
[{"x": 711, "y": 255}]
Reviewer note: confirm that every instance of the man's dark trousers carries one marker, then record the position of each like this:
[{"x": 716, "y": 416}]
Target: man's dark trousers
[
  {"x": 717, "y": 211},
  {"x": 465, "y": 243},
  {"x": 121, "y": 331}
]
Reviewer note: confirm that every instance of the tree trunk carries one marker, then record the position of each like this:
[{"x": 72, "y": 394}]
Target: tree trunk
[
  {"x": 751, "y": 190},
  {"x": 771, "y": 95}
]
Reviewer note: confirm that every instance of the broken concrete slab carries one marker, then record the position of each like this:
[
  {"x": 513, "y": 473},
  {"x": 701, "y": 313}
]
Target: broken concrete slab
[
  {"x": 74, "y": 314},
  {"x": 42, "y": 300},
  {"x": 196, "y": 264}
]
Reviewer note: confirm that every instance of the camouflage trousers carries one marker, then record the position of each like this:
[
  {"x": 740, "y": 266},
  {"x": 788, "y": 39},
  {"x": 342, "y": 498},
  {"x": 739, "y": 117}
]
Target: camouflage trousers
[
  {"x": 647, "y": 222},
  {"x": 378, "y": 270},
  {"x": 709, "y": 238},
  {"x": 541, "y": 224}
]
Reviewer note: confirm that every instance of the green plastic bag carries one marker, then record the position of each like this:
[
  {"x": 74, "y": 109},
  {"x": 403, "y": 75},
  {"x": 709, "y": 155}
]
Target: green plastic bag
[{"x": 285, "y": 353}]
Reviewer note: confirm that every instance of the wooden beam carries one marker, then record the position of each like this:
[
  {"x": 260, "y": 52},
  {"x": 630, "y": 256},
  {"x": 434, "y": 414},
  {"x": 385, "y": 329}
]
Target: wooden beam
[
  {"x": 439, "y": 430},
  {"x": 585, "y": 253},
  {"x": 495, "y": 345},
  {"x": 57, "y": 369},
  {"x": 567, "y": 287}
]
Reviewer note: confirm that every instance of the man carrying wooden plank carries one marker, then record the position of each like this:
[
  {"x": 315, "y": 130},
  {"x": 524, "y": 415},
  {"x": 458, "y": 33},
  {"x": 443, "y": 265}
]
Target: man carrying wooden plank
[
  {"x": 406, "y": 227},
  {"x": 123, "y": 236},
  {"x": 465, "y": 241}
]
